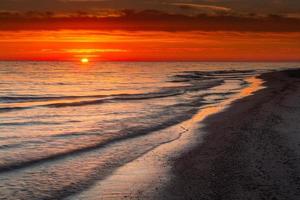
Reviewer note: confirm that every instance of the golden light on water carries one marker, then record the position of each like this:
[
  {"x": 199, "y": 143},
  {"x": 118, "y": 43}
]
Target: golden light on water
[{"x": 84, "y": 60}]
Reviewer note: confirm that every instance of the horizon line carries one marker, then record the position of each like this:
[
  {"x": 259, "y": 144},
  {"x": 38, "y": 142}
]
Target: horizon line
[{"x": 96, "y": 61}]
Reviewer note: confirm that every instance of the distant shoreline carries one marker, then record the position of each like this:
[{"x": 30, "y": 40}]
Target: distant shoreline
[{"x": 251, "y": 150}]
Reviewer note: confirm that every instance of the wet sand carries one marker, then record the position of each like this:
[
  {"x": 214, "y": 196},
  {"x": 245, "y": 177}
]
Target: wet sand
[
  {"x": 250, "y": 151},
  {"x": 247, "y": 147},
  {"x": 144, "y": 177}
]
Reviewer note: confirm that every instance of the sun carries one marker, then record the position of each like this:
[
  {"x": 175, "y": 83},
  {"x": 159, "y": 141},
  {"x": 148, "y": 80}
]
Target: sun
[{"x": 84, "y": 60}]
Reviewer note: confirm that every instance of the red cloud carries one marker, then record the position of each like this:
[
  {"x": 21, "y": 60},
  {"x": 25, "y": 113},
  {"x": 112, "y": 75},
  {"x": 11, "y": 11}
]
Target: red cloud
[{"x": 145, "y": 20}]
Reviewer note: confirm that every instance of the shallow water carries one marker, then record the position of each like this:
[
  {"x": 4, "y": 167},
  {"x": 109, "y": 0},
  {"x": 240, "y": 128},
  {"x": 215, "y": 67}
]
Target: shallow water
[
  {"x": 66, "y": 126},
  {"x": 147, "y": 176}
]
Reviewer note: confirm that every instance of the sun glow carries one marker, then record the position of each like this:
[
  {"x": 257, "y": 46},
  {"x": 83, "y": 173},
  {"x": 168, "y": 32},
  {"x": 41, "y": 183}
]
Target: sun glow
[
  {"x": 84, "y": 60},
  {"x": 75, "y": 45}
]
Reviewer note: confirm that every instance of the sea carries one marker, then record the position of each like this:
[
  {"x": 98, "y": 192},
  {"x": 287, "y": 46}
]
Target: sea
[{"x": 65, "y": 126}]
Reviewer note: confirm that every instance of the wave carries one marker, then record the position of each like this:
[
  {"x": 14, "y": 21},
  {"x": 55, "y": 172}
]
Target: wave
[
  {"x": 135, "y": 132},
  {"x": 165, "y": 92},
  {"x": 81, "y": 144},
  {"x": 30, "y": 123},
  {"x": 20, "y": 99},
  {"x": 124, "y": 134},
  {"x": 187, "y": 75},
  {"x": 10, "y": 146},
  {"x": 168, "y": 116},
  {"x": 218, "y": 72}
]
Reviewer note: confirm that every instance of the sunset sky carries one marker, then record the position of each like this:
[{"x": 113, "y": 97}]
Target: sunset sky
[{"x": 150, "y": 30}]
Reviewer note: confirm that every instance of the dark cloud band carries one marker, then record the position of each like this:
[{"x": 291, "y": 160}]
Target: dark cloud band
[{"x": 130, "y": 20}]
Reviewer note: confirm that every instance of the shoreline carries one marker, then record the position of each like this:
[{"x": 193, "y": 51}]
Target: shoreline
[
  {"x": 228, "y": 151},
  {"x": 144, "y": 177},
  {"x": 250, "y": 151}
]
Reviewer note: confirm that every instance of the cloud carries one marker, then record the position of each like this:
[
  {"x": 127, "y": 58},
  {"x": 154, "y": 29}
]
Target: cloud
[
  {"x": 89, "y": 51},
  {"x": 244, "y": 6},
  {"x": 147, "y": 20},
  {"x": 202, "y": 7}
]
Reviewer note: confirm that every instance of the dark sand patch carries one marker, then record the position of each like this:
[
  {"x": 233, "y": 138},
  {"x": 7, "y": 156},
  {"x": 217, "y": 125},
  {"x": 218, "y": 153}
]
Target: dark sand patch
[{"x": 251, "y": 151}]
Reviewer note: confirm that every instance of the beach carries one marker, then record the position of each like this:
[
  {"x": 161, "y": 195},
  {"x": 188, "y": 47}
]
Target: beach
[
  {"x": 250, "y": 151},
  {"x": 149, "y": 100},
  {"x": 192, "y": 131}
]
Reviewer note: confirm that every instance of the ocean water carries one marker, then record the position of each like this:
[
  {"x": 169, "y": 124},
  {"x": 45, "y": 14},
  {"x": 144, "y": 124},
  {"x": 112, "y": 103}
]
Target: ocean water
[{"x": 66, "y": 126}]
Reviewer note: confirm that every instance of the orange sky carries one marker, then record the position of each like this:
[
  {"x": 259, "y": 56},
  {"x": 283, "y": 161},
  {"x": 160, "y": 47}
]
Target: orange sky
[
  {"x": 149, "y": 45},
  {"x": 143, "y": 30}
]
